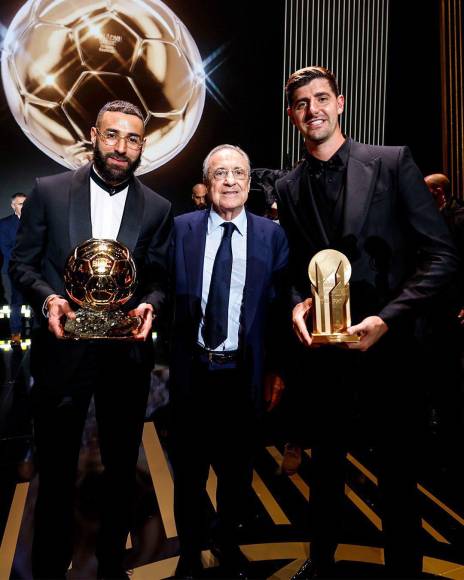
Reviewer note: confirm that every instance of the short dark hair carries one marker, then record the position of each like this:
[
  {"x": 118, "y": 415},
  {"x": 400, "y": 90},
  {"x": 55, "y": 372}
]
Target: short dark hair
[
  {"x": 120, "y": 107},
  {"x": 18, "y": 194},
  {"x": 305, "y": 75}
]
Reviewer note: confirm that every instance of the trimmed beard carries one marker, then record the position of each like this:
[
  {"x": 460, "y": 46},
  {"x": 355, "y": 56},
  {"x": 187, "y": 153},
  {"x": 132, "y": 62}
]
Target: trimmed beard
[{"x": 113, "y": 175}]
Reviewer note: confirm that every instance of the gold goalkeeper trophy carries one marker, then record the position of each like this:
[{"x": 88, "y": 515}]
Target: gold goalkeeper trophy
[{"x": 329, "y": 272}]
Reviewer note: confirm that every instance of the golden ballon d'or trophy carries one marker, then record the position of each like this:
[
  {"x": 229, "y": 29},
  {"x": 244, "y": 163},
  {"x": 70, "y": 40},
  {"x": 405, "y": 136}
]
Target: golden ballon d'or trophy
[
  {"x": 329, "y": 272},
  {"x": 100, "y": 276}
]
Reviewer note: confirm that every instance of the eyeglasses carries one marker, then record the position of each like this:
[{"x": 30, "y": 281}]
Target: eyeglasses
[
  {"x": 238, "y": 173},
  {"x": 112, "y": 138}
]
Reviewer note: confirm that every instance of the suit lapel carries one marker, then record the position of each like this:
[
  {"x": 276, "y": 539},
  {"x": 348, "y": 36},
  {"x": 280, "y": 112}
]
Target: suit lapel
[
  {"x": 256, "y": 246},
  {"x": 80, "y": 223},
  {"x": 194, "y": 252},
  {"x": 360, "y": 182},
  {"x": 132, "y": 217},
  {"x": 299, "y": 208}
]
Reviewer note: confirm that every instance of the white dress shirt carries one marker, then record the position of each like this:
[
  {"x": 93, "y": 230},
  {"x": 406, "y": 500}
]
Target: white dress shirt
[
  {"x": 237, "y": 282},
  {"x": 106, "y": 211}
]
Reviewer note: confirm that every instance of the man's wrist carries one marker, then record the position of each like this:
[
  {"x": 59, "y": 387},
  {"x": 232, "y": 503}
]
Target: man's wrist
[
  {"x": 47, "y": 302},
  {"x": 150, "y": 307}
]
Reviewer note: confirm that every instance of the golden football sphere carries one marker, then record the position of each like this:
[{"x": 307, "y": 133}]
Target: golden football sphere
[
  {"x": 100, "y": 274},
  {"x": 62, "y": 60}
]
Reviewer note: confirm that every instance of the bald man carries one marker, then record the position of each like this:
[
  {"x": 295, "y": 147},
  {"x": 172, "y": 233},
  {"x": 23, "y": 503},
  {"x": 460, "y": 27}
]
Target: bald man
[
  {"x": 199, "y": 197},
  {"x": 440, "y": 188},
  {"x": 451, "y": 208}
]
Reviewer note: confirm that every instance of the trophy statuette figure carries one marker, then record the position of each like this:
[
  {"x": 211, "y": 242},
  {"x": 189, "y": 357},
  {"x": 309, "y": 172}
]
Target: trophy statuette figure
[
  {"x": 100, "y": 276},
  {"x": 329, "y": 272}
]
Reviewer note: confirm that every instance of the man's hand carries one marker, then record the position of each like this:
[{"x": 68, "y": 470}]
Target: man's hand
[
  {"x": 58, "y": 311},
  {"x": 145, "y": 311},
  {"x": 273, "y": 388},
  {"x": 370, "y": 329},
  {"x": 299, "y": 316}
]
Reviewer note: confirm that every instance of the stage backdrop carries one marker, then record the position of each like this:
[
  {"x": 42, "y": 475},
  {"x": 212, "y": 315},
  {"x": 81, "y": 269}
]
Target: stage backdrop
[
  {"x": 242, "y": 50},
  {"x": 242, "y": 62}
]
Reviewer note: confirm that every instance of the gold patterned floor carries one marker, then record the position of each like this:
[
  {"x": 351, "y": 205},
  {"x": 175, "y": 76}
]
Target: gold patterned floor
[{"x": 279, "y": 546}]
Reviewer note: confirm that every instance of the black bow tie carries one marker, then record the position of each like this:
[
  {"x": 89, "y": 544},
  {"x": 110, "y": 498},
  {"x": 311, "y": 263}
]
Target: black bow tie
[{"x": 111, "y": 189}]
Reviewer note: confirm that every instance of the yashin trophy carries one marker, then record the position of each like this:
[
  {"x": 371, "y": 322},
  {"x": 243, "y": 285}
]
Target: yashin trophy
[
  {"x": 329, "y": 272},
  {"x": 100, "y": 276}
]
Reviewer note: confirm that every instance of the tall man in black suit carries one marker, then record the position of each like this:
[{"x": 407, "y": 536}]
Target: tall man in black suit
[
  {"x": 370, "y": 203},
  {"x": 229, "y": 265},
  {"x": 100, "y": 200}
]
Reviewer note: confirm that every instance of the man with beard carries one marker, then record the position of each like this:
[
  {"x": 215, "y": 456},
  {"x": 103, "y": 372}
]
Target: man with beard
[
  {"x": 100, "y": 200},
  {"x": 200, "y": 196}
]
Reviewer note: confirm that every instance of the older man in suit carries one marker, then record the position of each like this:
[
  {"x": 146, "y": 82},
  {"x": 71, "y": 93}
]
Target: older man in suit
[
  {"x": 101, "y": 200},
  {"x": 229, "y": 265},
  {"x": 370, "y": 203}
]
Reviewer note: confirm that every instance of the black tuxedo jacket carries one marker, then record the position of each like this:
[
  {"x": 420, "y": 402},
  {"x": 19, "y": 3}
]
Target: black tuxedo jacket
[
  {"x": 398, "y": 244},
  {"x": 54, "y": 220}
]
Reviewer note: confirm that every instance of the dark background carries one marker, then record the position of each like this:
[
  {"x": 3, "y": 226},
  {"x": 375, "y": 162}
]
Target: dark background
[
  {"x": 250, "y": 79},
  {"x": 413, "y": 111}
]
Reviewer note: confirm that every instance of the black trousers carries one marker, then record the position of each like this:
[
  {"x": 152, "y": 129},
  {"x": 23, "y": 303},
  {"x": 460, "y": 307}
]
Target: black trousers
[
  {"x": 351, "y": 399},
  {"x": 213, "y": 425},
  {"x": 120, "y": 388}
]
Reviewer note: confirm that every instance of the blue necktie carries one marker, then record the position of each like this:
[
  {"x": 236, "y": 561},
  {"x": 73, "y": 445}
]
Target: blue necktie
[{"x": 217, "y": 308}]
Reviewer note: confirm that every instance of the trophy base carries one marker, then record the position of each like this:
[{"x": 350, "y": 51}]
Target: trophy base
[
  {"x": 93, "y": 325},
  {"x": 335, "y": 338}
]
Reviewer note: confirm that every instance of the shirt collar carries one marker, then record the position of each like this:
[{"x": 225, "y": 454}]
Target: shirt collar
[
  {"x": 111, "y": 189},
  {"x": 338, "y": 160},
  {"x": 215, "y": 221}
]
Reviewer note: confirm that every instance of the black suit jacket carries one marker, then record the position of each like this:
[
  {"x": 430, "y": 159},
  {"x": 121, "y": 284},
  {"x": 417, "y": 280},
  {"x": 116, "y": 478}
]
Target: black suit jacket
[
  {"x": 8, "y": 229},
  {"x": 398, "y": 244},
  {"x": 56, "y": 218}
]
